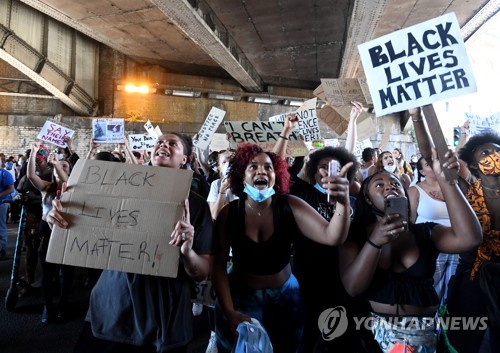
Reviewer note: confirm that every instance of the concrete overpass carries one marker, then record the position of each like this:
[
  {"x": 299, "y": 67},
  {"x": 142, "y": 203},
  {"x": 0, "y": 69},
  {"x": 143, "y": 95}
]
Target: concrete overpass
[{"x": 231, "y": 54}]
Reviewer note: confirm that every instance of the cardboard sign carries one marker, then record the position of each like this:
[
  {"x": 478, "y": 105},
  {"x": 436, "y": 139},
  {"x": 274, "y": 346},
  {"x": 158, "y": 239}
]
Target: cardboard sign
[
  {"x": 333, "y": 119},
  {"x": 141, "y": 142},
  {"x": 212, "y": 122},
  {"x": 479, "y": 124},
  {"x": 417, "y": 66},
  {"x": 108, "y": 130},
  {"x": 121, "y": 217},
  {"x": 264, "y": 134},
  {"x": 343, "y": 91},
  {"x": 55, "y": 133},
  {"x": 308, "y": 125},
  {"x": 320, "y": 93}
]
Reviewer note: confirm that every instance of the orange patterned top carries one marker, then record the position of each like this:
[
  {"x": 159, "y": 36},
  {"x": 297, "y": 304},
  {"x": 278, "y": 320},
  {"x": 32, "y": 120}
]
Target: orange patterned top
[{"x": 491, "y": 238}]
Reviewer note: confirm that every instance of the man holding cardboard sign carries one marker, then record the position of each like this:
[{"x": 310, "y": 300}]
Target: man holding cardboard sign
[{"x": 127, "y": 309}]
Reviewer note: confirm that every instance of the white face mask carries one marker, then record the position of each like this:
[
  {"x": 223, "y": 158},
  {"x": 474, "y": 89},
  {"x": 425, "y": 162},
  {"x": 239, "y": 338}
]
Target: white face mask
[
  {"x": 224, "y": 169},
  {"x": 390, "y": 168}
]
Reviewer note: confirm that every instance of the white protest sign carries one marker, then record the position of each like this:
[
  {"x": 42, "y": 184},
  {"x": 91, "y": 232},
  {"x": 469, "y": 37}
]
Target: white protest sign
[
  {"x": 121, "y": 217},
  {"x": 417, "y": 66},
  {"x": 141, "y": 142},
  {"x": 210, "y": 125},
  {"x": 479, "y": 124},
  {"x": 108, "y": 130},
  {"x": 308, "y": 125},
  {"x": 150, "y": 129},
  {"x": 158, "y": 131},
  {"x": 54, "y": 133},
  {"x": 219, "y": 142},
  {"x": 264, "y": 134}
]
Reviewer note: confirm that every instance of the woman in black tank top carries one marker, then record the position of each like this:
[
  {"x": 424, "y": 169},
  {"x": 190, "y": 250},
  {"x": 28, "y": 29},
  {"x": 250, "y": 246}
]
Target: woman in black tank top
[
  {"x": 260, "y": 228},
  {"x": 391, "y": 263}
]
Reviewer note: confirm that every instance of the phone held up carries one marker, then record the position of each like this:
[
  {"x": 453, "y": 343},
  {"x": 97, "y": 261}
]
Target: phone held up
[
  {"x": 333, "y": 170},
  {"x": 397, "y": 204}
]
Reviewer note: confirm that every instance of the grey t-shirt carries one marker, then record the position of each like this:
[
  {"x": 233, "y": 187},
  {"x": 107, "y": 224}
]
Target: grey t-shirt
[{"x": 147, "y": 310}]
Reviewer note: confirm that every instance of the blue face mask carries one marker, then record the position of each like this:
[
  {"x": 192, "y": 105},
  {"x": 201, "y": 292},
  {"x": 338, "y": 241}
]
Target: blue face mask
[
  {"x": 258, "y": 195},
  {"x": 320, "y": 188}
]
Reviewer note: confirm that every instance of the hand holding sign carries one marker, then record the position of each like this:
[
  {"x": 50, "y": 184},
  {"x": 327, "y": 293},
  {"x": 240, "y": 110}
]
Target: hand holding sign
[{"x": 183, "y": 233}]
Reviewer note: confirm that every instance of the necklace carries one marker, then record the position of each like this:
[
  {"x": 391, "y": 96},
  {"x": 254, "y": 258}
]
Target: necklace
[
  {"x": 256, "y": 210},
  {"x": 495, "y": 191}
]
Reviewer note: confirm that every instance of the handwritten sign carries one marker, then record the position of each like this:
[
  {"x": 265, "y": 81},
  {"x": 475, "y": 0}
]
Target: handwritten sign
[
  {"x": 308, "y": 125},
  {"x": 142, "y": 142},
  {"x": 121, "y": 218},
  {"x": 417, "y": 65},
  {"x": 479, "y": 124},
  {"x": 108, "y": 130},
  {"x": 343, "y": 91},
  {"x": 212, "y": 122},
  {"x": 264, "y": 134},
  {"x": 55, "y": 133}
]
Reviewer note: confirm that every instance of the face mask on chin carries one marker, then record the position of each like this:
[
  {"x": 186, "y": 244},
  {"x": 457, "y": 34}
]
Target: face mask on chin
[
  {"x": 390, "y": 168},
  {"x": 490, "y": 165},
  {"x": 320, "y": 188},
  {"x": 258, "y": 195}
]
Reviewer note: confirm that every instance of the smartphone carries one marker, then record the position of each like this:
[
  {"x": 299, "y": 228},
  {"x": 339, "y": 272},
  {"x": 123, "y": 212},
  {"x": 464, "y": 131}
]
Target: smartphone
[
  {"x": 333, "y": 170},
  {"x": 398, "y": 205}
]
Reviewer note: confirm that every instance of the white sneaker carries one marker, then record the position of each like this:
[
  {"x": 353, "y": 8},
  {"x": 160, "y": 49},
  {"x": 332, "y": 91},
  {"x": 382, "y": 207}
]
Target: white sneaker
[
  {"x": 197, "y": 309},
  {"x": 212, "y": 343}
]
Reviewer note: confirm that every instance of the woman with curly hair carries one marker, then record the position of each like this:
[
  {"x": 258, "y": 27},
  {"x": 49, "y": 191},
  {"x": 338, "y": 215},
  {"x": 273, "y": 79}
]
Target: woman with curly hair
[
  {"x": 260, "y": 228},
  {"x": 475, "y": 290}
]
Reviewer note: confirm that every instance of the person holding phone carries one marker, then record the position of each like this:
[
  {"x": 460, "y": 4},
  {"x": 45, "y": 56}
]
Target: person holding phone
[{"x": 390, "y": 262}]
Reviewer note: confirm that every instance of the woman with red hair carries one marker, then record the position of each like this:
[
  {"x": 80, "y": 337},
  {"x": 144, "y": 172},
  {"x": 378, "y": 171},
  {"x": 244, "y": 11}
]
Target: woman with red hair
[{"x": 260, "y": 228}]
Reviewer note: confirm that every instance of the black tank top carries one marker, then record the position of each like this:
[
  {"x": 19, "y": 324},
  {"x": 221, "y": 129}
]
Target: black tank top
[{"x": 268, "y": 257}]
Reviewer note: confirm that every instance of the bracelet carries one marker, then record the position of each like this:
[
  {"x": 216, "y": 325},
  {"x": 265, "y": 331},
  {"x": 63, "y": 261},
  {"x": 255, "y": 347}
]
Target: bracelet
[
  {"x": 417, "y": 120},
  {"x": 283, "y": 137},
  {"x": 373, "y": 244}
]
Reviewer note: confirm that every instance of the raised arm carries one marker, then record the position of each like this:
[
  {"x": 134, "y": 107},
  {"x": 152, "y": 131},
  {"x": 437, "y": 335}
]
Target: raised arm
[
  {"x": 465, "y": 232},
  {"x": 352, "y": 131},
  {"x": 313, "y": 225},
  {"x": 92, "y": 149},
  {"x": 37, "y": 182},
  {"x": 289, "y": 124},
  {"x": 61, "y": 174},
  {"x": 424, "y": 141},
  {"x": 128, "y": 152}
]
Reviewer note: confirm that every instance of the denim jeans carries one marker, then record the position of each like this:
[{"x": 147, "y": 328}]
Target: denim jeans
[
  {"x": 278, "y": 309},
  {"x": 405, "y": 334},
  {"x": 4, "y": 208},
  {"x": 446, "y": 266}
]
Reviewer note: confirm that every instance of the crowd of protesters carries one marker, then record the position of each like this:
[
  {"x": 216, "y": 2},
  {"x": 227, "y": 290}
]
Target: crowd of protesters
[{"x": 289, "y": 245}]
